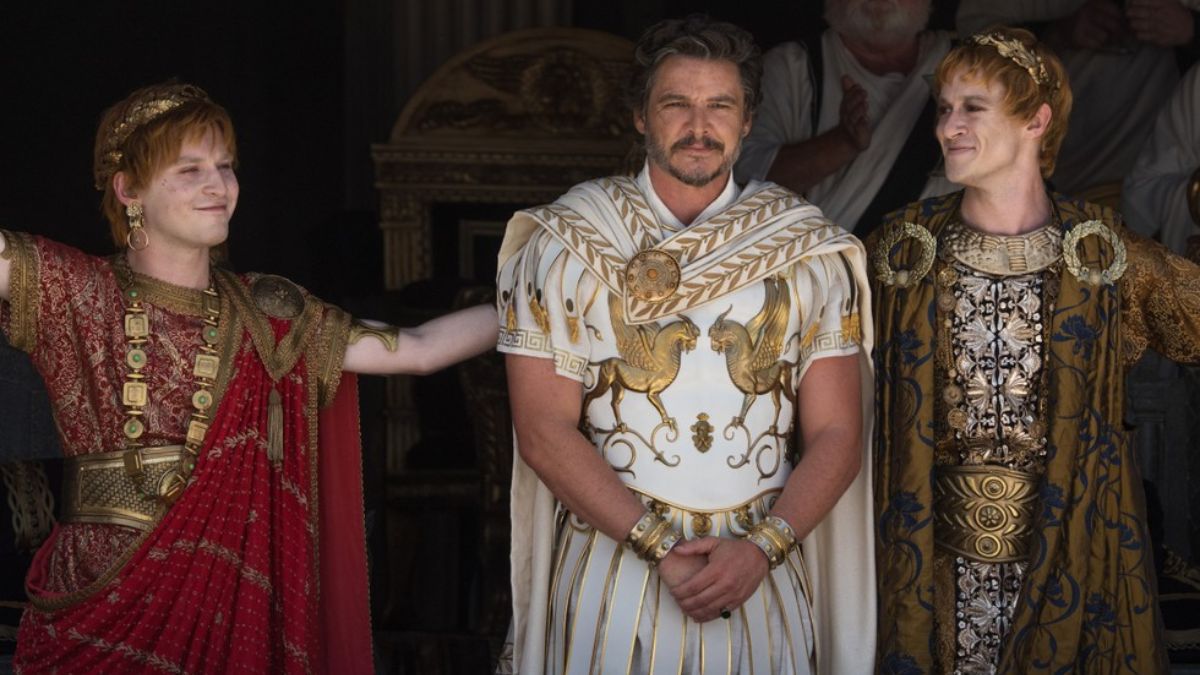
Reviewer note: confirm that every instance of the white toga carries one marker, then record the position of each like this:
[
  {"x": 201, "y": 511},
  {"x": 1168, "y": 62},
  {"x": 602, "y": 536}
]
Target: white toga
[{"x": 1154, "y": 197}]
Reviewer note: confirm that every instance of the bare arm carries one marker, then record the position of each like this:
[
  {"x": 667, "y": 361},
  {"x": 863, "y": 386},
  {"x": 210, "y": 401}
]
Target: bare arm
[
  {"x": 799, "y": 166},
  {"x": 546, "y": 409},
  {"x": 831, "y": 426},
  {"x": 830, "y": 399},
  {"x": 424, "y": 349},
  {"x": 5, "y": 270}
]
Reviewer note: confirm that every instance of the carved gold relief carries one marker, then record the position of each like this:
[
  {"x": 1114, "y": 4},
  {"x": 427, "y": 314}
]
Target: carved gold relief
[
  {"x": 649, "y": 361},
  {"x": 702, "y": 433},
  {"x": 752, "y": 351}
]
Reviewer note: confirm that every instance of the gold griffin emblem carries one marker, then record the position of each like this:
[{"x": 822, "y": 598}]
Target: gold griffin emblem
[
  {"x": 752, "y": 351},
  {"x": 649, "y": 360}
]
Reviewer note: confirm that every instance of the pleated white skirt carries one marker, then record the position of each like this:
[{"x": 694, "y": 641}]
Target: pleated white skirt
[{"x": 610, "y": 613}]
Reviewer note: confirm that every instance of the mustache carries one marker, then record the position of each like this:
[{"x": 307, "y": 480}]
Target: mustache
[{"x": 708, "y": 142}]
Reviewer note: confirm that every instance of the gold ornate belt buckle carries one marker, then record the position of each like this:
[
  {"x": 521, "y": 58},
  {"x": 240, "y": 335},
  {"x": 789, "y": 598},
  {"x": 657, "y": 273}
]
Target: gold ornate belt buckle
[
  {"x": 652, "y": 276},
  {"x": 984, "y": 513},
  {"x": 98, "y": 488}
]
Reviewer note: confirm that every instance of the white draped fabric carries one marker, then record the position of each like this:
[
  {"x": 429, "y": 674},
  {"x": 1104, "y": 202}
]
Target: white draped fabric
[
  {"x": 1154, "y": 197},
  {"x": 894, "y": 103}
]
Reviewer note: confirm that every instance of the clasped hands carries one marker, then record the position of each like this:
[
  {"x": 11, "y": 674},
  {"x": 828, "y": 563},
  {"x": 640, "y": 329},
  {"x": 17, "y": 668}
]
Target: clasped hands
[{"x": 710, "y": 574}]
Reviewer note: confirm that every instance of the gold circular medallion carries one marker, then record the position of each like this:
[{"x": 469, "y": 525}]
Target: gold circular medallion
[
  {"x": 994, "y": 487},
  {"x": 990, "y": 517},
  {"x": 987, "y": 546},
  {"x": 652, "y": 276},
  {"x": 277, "y": 297},
  {"x": 136, "y": 358},
  {"x": 134, "y": 428},
  {"x": 202, "y": 400}
]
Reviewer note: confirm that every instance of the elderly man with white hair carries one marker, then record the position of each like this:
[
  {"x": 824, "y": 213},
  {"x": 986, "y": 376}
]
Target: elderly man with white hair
[{"x": 839, "y": 114}]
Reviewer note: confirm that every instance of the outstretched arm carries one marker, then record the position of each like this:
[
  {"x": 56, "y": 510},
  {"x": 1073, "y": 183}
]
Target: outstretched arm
[
  {"x": 831, "y": 427},
  {"x": 5, "y": 269},
  {"x": 378, "y": 349},
  {"x": 546, "y": 409}
]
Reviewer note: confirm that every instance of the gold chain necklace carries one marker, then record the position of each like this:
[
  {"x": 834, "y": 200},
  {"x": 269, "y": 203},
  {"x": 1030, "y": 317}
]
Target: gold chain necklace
[{"x": 135, "y": 394}]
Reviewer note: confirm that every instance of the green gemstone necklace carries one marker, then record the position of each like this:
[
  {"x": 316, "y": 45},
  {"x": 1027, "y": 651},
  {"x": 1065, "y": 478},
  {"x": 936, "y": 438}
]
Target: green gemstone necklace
[{"x": 135, "y": 394}]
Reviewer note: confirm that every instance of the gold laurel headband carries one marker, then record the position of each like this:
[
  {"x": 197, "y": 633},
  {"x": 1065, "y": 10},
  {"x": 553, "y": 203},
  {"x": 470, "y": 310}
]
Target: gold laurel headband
[
  {"x": 139, "y": 115},
  {"x": 1014, "y": 50}
]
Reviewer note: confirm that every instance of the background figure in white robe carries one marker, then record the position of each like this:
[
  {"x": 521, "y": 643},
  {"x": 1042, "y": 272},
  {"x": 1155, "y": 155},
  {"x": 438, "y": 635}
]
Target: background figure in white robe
[
  {"x": 1155, "y": 197},
  {"x": 1121, "y": 65},
  {"x": 838, "y": 115}
]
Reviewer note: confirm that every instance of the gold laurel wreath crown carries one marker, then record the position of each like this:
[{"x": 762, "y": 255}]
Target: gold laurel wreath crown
[
  {"x": 153, "y": 102},
  {"x": 1014, "y": 50}
]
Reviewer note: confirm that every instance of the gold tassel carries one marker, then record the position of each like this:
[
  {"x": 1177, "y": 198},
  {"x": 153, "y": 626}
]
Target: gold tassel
[{"x": 275, "y": 428}]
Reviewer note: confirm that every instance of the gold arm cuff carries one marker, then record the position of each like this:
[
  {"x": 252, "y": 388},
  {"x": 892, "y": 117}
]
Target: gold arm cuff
[
  {"x": 984, "y": 513},
  {"x": 775, "y": 537},
  {"x": 388, "y": 335},
  {"x": 98, "y": 489},
  {"x": 652, "y": 538}
]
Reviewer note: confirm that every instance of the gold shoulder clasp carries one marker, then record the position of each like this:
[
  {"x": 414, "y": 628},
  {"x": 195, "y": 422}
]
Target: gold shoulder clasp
[
  {"x": 893, "y": 235},
  {"x": 277, "y": 297},
  {"x": 1095, "y": 277}
]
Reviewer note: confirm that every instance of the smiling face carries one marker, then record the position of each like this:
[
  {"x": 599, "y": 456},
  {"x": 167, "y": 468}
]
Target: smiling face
[
  {"x": 695, "y": 119},
  {"x": 983, "y": 144},
  {"x": 188, "y": 203}
]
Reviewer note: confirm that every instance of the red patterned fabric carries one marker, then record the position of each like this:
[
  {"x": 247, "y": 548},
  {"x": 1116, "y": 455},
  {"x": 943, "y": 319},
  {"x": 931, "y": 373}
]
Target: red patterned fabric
[{"x": 231, "y": 579}]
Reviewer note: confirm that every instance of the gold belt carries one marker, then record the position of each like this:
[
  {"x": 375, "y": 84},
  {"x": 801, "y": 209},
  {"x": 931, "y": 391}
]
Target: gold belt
[
  {"x": 102, "y": 487},
  {"x": 984, "y": 513}
]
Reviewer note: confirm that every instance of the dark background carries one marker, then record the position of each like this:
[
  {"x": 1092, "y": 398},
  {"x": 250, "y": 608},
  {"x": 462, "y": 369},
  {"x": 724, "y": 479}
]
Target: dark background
[{"x": 309, "y": 84}]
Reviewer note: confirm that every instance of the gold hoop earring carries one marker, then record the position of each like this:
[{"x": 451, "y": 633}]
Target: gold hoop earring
[{"x": 136, "y": 239}]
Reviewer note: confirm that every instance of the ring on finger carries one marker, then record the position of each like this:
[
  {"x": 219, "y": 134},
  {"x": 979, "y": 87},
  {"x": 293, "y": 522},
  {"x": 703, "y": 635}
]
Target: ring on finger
[{"x": 725, "y": 613}]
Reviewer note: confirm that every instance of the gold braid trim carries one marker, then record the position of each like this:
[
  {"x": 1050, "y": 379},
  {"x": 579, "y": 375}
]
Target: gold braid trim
[
  {"x": 329, "y": 352},
  {"x": 24, "y": 289}
]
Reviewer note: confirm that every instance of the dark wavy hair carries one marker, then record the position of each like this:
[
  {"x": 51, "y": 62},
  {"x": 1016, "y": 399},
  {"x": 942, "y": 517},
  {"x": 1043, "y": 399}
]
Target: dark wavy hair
[{"x": 701, "y": 37}]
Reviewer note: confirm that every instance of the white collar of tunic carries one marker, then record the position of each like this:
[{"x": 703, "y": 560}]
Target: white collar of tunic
[{"x": 723, "y": 201}]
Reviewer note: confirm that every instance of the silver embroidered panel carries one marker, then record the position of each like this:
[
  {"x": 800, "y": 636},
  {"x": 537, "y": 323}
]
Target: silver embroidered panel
[
  {"x": 998, "y": 346},
  {"x": 998, "y": 351},
  {"x": 985, "y": 596}
]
